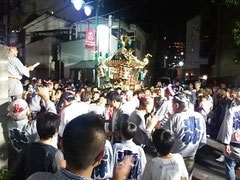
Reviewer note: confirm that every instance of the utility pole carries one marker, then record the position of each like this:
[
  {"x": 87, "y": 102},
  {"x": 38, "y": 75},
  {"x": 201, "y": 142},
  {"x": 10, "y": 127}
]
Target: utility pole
[
  {"x": 97, "y": 79},
  {"x": 110, "y": 32}
]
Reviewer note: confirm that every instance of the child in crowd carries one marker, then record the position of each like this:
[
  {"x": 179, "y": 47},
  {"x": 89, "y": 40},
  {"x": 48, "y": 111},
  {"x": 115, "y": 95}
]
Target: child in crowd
[
  {"x": 167, "y": 166},
  {"x": 128, "y": 147}
]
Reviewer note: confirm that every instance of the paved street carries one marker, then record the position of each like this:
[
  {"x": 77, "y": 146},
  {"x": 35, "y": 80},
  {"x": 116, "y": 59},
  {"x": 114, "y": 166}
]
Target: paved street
[{"x": 206, "y": 165}]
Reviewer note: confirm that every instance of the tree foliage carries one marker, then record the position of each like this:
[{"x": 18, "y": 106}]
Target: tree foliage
[
  {"x": 232, "y": 2},
  {"x": 236, "y": 34},
  {"x": 227, "y": 2}
]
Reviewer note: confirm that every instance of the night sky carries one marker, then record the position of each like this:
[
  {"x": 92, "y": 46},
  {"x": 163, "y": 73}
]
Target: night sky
[{"x": 173, "y": 13}]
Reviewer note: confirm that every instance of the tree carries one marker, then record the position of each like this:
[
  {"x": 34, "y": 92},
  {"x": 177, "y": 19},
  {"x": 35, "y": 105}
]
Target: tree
[{"x": 235, "y": 6}]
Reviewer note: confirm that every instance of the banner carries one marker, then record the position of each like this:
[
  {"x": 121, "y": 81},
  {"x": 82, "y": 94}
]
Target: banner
[{"x": 90, "y": 39}]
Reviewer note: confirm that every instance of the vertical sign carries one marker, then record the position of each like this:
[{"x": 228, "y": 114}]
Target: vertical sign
[{"x": 90, "y": 39}]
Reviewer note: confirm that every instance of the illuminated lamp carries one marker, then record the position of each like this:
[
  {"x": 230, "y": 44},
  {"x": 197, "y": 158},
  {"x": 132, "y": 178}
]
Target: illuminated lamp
[
  {"x": 88, "y": 10},
  {"x": 77, "y": 4}
]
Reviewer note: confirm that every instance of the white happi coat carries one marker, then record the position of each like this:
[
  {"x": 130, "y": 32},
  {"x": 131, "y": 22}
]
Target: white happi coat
[
  {"x": 189, "y": 131},
  {"x": 105, "y": 169},
  {"x": 139, "y": 159},
  {"x": 165, "y": 111},
  {"x": 15, "y": 72},
  {"x": 231, "y": 131},
  {"x": 70, "y": 112}
]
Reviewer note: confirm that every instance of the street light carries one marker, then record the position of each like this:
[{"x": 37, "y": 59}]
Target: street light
[
  {"x": 78, "y": 4},
  {"x": 181, "y": 64},
  {"x": 88, "y": 10}
]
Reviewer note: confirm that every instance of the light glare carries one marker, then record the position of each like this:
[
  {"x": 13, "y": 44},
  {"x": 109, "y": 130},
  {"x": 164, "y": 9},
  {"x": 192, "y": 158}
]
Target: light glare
[
  {"x": 77, "y": 4},
  {"x": 181, "y": 63},
  {"x": 87, "y": 10}
]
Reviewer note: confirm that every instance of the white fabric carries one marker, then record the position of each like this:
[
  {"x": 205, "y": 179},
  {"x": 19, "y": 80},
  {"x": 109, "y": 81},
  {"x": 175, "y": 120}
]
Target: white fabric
[
  {"x": 16, "y": 70},
  {"x": 105, "y": 169},
  {"x": 36, "y": 102},
  {"x": 189, "y": 131},
  {"x": 97, "y": 108},
  {"x": 165, "y": 111},
  {"x": 22, "y": 132},
  {"x": 231, "y": 123},
  {"x": 139, "y": 159},
  {"x": 165, "y": 169},
  {"x": 70, "y": 112},
  {"x": 204, "y": 109},
  {"x": 222, "y": 130},
  {"x": 128, "y": 107},
  {"x": 231, "y": 126}
]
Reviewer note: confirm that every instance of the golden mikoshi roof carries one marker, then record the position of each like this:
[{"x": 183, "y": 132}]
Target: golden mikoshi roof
[{"x": 125, "y": 57}]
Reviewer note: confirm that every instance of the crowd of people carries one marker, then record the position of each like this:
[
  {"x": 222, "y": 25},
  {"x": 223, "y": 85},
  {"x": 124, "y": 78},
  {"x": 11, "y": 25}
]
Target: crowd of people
[{"x": 61, "y": 130}]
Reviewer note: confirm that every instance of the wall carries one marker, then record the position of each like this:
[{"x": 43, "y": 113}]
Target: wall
[
  {"x": 3, "y": 105},
  {"x": 192, "y": 59},
  {"x": 41, "y": 51},
  {"x": 72, "y": 53}
]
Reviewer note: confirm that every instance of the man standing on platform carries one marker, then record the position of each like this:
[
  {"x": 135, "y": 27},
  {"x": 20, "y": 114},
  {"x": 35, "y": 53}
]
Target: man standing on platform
[{"x": 15, "y": 72}]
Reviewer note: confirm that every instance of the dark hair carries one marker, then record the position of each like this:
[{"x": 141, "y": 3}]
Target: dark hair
[
  {"x": 129, "y": 130},
  {"x": 86, "y": 96},
  {"x": 144, "y": 100},
  {"x": 123, "y": 92},
  {"x": 118, "y": 89},
  {"x": 68, "y": 96},
  {"x": 113, "y": 95},
  {"x": 47, "y": 125},
  {"x": 163, "y": 141},
  {"x": 83, "y": 139},
  {"x": 180, "y": 98}
]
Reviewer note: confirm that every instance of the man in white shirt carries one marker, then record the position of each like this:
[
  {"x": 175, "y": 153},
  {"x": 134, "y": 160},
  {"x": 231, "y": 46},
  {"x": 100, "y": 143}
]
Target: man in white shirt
[
  {"x": 71, "y": 110},
  {"x": 129, "y": 105}
]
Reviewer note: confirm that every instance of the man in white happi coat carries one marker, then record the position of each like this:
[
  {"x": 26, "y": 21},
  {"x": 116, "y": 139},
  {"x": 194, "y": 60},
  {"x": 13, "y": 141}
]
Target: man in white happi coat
[
  {"x": 189, "y": 130},
  {"x": 166, "y": 111},
  {"x": 230, "y": 132},
  {"x": 15, "y": 72}
]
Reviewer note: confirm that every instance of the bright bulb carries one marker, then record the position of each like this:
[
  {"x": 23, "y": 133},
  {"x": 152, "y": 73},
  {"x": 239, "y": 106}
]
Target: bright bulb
[
  {"x": 77, "y": 4},
  {"x": 205, "y": 77},
  {"x": 181, "y": 63},
  {"x": 87, "y": 10}
]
